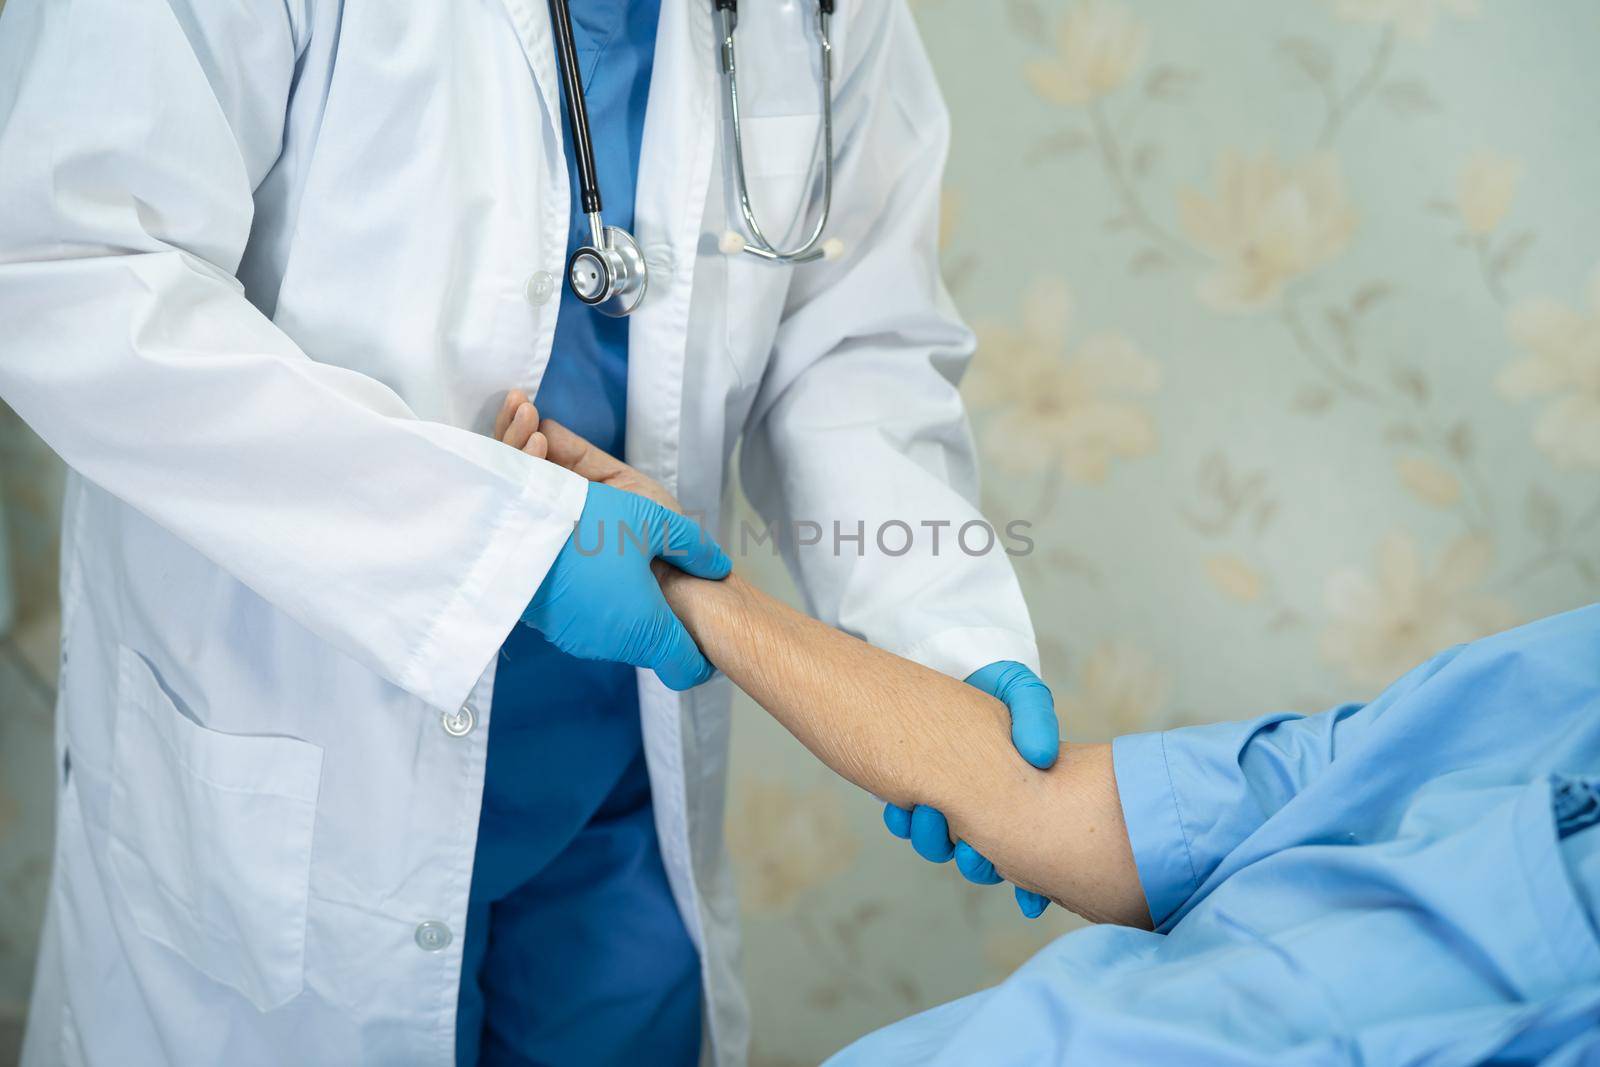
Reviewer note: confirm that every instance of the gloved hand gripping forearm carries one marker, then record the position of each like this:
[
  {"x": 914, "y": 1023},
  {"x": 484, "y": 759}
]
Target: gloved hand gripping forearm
[
  {"x": 599, "y": 599},
  {"x": 901, "y": 731}
]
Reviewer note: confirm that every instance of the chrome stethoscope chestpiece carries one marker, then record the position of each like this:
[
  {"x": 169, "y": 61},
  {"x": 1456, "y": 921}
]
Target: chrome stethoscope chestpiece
[{"x": 609, "y": 273}]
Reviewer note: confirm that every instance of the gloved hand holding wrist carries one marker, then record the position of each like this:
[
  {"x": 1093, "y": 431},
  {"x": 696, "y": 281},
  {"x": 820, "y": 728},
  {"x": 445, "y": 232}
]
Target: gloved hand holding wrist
[
  {"x": 600, "y": 599},
  {"x": 1036, "y": 735}
]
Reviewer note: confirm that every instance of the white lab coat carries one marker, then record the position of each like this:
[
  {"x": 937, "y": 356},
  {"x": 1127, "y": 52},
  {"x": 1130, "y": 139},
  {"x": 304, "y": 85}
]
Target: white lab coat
[{"x": 266, "y": 269}]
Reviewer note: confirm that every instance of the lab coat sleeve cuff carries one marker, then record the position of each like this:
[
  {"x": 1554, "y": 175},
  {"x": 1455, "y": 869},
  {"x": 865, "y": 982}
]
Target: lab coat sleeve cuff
[
  {"x": 1150, "y": 810},
  {"x": 961, "y": 651},
  {"x": 522, "y": 543}
]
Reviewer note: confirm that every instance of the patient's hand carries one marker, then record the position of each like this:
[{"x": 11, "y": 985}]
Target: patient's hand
[{"x": 520, "y": 426}]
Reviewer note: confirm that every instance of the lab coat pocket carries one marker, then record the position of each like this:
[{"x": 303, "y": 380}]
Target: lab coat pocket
[
  {"x": 780, "y": 152},
  {"x": 210, "y": 838}
]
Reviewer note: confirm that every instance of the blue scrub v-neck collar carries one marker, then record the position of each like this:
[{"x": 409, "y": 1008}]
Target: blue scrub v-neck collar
[{"x": 595, "y": 25}]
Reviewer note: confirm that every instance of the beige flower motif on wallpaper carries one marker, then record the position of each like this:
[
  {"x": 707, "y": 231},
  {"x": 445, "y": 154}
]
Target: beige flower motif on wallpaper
[
  {"x": 1382, "y": 624},
  {"x": 1235, "y": 577},
  {"x": 1079, "y": 409},
  {"x": 1486, "y": 191},
  {"x": 1266, "y": 223},
  {"x": 1121, "y": 689},
  {"x": 1561, "y": 366},
  {"x": 1414, "y": 19},
  {"x": 1487, "y": 185},
  {"x": 786, "y": 840},
  {"x": 1429, "y": 480},
  {"x": 1097, "y": 46}
]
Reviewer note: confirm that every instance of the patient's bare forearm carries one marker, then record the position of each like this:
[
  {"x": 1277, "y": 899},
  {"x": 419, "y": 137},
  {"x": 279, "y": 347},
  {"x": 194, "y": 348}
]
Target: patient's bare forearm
[
  {"x": 914, "y": 736},
  {"x": 894, "y": 728}
]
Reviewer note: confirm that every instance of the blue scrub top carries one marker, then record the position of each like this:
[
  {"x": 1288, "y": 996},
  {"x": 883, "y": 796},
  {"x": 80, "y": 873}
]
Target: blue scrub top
[
  {"x": 574, "y": 951},
  {"x": 1415, "y": 880},
  {"x": 563, "y": 730},
  {"x": 585, "y": 387}
]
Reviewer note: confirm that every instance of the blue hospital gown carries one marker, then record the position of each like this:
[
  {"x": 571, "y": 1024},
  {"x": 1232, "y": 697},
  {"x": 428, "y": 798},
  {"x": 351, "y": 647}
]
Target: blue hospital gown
[{"x": 1411, "y": 881}]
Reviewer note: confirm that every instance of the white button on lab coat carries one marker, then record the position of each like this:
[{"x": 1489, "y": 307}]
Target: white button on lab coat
[
  {"x": 264, "y": 278},
  {"x": 541, "y": 287},
  {"x": 460, "y": 722}
]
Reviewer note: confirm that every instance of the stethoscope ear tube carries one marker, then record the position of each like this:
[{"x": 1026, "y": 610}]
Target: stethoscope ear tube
[{"x": 757, "y": 244}]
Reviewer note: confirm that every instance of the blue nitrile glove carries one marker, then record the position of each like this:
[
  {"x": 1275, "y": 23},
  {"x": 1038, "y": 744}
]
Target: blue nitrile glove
[
  {"x": 1037, "y": 737},
  {"x": 599, "y": 599}
]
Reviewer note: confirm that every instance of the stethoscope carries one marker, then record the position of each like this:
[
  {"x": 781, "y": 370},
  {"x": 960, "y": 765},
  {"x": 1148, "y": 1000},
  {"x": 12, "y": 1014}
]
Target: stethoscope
[{"x": 609, "y": 273}]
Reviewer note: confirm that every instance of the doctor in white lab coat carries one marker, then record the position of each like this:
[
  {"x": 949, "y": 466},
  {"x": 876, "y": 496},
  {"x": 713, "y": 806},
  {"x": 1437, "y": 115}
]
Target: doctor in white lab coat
[{"x": 267, "y": 270}]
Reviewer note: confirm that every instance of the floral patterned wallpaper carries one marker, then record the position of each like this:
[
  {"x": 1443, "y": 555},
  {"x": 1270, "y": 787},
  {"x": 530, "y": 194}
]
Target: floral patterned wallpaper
[
  {"x": 1289, "y": 320},
  {"x": 1290, "y": 349}
]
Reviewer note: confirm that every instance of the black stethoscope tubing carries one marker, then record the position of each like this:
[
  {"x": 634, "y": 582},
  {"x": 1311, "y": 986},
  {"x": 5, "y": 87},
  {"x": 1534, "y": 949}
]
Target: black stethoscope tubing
[{"x": 577, "y": 107}]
